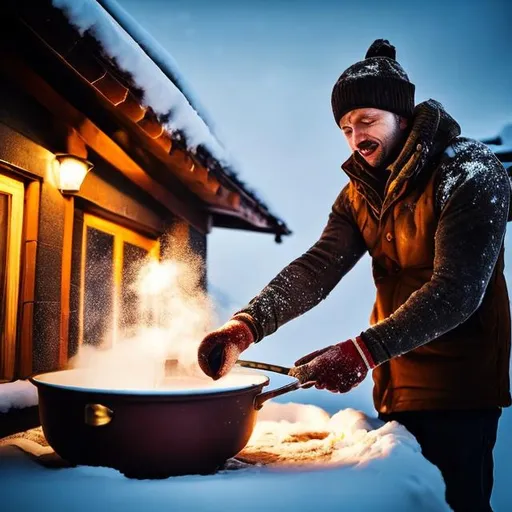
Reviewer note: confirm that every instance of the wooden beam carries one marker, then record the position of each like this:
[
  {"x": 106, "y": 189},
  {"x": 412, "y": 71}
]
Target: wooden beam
[
  {"x": 13, "y": 191},
  {"x": 30, "y": 237},
  {"x": 98, "y": 140},
  {"x": 152, "y": 134},
  {"x": 65, "y": 281},
  {"x": 95, "y": 88}
]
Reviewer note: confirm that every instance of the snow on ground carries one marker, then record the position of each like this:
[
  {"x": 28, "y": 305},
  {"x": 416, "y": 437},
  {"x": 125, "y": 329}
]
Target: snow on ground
[
  {"x": 290, "y": 419},
  {"x": 502, "y": 493},
  {"x": 359, "y": 465},
  {"x": 18, "y": 394}
]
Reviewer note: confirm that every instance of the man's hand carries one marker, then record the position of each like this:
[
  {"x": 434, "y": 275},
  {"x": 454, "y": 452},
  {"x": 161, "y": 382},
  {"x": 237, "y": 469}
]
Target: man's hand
[
  {"x": 219, "y": 350},
  {"x": 338, "y": 368}
]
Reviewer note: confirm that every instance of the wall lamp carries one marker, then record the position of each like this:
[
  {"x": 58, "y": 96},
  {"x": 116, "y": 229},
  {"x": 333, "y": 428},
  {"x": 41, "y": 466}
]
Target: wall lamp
[{"x": 71, "y": 172}]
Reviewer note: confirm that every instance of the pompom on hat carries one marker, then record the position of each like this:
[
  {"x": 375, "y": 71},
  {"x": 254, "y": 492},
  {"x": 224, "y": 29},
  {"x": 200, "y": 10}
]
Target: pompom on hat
[{"x": 378, "y": 81}]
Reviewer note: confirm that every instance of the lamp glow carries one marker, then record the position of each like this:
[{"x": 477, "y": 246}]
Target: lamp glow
[{"x": 72, "y": 172}]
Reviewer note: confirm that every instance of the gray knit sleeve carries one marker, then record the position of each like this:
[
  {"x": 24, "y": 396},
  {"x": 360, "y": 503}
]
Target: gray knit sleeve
[
  {"x": 473, "y": 195},
  {"x": 310, "y": 278}
]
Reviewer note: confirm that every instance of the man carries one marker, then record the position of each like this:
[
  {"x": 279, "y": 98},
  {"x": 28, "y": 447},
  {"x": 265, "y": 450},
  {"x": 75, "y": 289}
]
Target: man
[{"x": 431, "y": 208}]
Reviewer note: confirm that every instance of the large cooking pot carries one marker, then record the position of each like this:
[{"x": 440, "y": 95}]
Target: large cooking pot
[{"x": 151, "y": 433}]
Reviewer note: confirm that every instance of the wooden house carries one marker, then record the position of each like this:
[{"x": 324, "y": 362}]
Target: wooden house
[{"x": 92, "y": 176}]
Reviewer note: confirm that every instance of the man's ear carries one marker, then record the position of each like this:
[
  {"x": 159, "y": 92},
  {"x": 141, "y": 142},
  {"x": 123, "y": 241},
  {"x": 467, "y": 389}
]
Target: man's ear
[{"x": 403, "y": 123}]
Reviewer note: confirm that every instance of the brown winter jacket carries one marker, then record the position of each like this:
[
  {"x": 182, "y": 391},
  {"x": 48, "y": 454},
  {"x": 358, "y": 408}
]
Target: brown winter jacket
[{"x": 440, "y": 326}]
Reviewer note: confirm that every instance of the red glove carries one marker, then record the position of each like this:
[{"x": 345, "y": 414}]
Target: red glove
[
  {"x": 338, "y": 368},
  {"x": 219, "y": 350}
]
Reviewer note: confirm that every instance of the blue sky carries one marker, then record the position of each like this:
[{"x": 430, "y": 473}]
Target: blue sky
[{"x": 264, "y": 70}]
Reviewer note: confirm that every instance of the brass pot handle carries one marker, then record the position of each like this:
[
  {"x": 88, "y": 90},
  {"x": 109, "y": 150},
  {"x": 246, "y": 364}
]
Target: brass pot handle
[{"x": 97, "y": 415}]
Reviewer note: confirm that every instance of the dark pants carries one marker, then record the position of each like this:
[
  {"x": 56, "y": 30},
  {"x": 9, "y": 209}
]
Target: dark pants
[{"x": 460, "y": 444}]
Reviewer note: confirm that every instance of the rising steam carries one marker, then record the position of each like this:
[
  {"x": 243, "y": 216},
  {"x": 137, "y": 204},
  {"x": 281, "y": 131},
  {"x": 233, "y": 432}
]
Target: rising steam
[{"x": 169, "y": 313}]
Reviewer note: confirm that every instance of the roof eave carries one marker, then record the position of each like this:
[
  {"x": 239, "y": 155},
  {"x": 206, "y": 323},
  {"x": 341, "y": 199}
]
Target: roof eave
[{"x": 217, "y": 188}]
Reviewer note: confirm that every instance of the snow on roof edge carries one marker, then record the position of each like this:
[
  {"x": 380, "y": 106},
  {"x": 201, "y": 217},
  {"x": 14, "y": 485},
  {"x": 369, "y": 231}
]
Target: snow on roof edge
[
  {"x": 168, "y": 101},
  {"x": 160, "y": 93},
  {"x": 159, "y": 55}
]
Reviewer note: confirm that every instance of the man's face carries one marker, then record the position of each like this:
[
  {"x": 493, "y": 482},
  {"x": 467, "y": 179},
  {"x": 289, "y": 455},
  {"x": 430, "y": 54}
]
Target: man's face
[{"x": 375, "y": 134}]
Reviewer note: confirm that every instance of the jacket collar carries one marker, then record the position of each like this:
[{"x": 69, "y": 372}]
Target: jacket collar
[{"x": 431, "y": 132}]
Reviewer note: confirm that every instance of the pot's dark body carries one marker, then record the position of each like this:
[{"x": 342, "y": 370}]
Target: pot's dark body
[{"x": 149, "y": 436}]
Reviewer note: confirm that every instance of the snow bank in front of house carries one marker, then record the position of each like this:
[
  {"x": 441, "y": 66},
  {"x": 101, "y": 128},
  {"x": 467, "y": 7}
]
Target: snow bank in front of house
[
  {"x": 305, "y": 435},
  {"x": 160, "y": 93},
  {"x": 382, "y": 469},
  {"x": 17, "y": 395}
]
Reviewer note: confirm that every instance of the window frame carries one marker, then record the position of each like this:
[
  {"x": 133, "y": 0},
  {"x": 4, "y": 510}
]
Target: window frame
[
  {"x": 121, "y": 235},
  {"x": 15, "y": 189}
]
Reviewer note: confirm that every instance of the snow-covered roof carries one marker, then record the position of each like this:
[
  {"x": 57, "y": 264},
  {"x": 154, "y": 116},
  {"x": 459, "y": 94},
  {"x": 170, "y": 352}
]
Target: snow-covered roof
[
  {"x": 110, "y": 53},
  {"x": 159, "y": 92}
]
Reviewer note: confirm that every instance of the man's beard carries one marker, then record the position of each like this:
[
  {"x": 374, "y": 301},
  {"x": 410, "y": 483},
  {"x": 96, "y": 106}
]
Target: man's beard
[{"x": 384, "y": 160}]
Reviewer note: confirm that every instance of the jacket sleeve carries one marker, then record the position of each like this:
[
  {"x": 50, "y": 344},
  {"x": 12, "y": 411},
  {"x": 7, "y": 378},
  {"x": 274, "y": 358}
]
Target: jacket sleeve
[
  {"x": 310, "y": 278},
  {"x": 473, "y": 198}
]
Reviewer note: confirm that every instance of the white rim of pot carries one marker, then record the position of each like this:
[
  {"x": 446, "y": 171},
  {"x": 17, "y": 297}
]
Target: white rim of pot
[{"x": 262, "y": 379}]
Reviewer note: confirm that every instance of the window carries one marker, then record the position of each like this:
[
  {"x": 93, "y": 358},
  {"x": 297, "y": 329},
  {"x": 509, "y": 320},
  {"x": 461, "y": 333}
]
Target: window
[
  {"x": 11, "y": 225},
  {"x": 111, "y": 257}
]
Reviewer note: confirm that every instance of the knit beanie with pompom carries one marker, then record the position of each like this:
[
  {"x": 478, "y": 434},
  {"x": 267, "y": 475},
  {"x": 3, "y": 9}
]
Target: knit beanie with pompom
[{"x": 378, "y": 81}]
